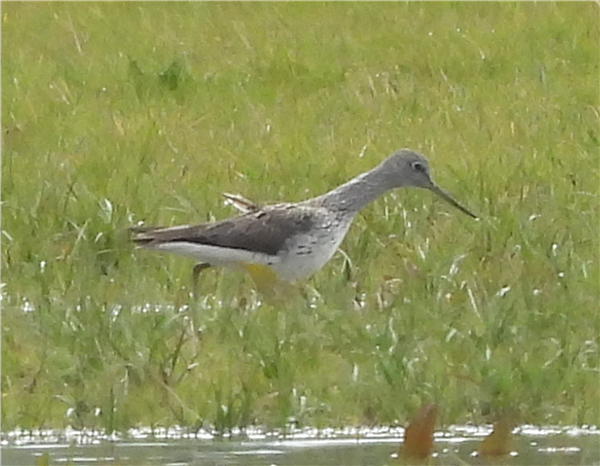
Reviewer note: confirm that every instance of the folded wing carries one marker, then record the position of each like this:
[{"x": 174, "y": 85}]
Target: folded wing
[{"x": 264, "y": 231}]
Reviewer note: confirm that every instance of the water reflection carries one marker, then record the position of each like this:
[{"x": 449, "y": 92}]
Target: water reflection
[{"x": 531, "y": 446}]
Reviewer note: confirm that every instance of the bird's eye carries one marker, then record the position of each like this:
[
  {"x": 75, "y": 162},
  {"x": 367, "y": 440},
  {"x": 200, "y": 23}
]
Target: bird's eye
[{"x": 418, "y": 166}]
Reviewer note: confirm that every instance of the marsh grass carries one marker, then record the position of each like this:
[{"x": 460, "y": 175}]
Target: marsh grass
[{"x": 114, "y": 113}]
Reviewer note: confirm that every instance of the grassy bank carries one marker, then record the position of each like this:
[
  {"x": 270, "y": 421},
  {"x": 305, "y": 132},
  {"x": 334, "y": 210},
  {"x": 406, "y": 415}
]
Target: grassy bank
[{"x": 117, "y": 113}]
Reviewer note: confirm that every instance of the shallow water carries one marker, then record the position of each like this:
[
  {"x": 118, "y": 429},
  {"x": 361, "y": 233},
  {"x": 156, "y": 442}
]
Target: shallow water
[{"x": 531, "y": 446}]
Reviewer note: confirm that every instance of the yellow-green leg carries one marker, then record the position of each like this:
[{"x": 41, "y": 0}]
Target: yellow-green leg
[{"x": 199, "y": 267}]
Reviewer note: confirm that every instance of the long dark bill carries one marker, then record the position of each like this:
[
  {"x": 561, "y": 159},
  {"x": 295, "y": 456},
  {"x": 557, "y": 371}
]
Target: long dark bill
[{"x": 450, "y": 200}]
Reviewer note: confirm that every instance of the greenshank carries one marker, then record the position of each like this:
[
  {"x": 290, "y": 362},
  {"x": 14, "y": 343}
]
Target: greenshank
[{"x": 289, "y": 241}]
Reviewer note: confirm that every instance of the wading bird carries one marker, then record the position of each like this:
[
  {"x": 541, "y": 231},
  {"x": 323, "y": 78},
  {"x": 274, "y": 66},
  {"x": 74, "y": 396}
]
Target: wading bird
[{"x": 289, "y": 241}]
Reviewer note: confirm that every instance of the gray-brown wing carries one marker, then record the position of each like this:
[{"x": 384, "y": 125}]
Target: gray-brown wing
[{"x": 264, "y": 231}]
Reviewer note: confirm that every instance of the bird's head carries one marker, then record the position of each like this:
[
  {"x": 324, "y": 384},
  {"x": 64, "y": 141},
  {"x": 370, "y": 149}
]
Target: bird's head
[{"x": 406, "y": 168}]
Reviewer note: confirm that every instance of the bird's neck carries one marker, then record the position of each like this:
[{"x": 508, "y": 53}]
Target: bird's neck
[{"x": 356, "y": 193}]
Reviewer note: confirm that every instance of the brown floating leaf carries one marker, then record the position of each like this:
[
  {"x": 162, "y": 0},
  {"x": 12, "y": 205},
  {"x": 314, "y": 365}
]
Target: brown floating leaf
[
  {"x": 418, "y": 436},
  {"x": 498, "y": 442}
]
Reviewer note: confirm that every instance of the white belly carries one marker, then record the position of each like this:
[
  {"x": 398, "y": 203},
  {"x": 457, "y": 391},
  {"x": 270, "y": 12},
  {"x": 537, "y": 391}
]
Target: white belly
[{"x": 309, "y": 253}]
